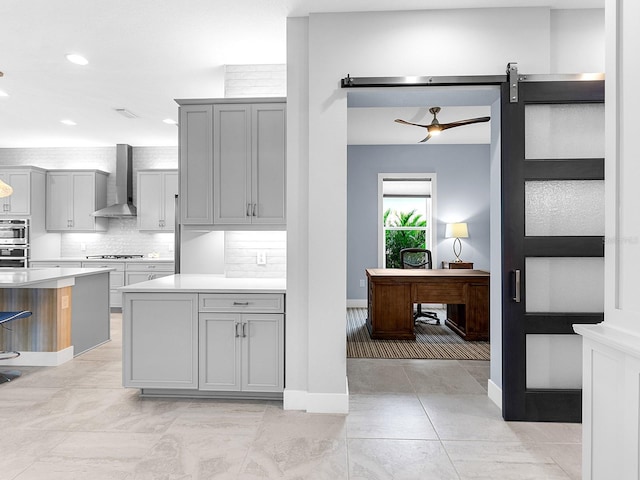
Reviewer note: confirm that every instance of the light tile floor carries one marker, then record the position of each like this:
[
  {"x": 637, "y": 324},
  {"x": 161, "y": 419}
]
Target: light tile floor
[{"x": 409, "y": 419}]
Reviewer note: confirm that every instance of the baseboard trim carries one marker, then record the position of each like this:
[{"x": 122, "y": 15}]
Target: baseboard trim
[
  {"x": 41, "y": 359},
  {"x": 357, "y": 303},
  {"x": 494, "y": 392},
  {"x": 294, "y": 400},
  {"x": 317, "y": 402}
]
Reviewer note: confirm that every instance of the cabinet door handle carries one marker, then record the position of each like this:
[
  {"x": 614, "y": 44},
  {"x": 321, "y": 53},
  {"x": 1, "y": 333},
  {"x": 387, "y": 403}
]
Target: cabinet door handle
[
  {"x": 241, "y": 304},
  {"x": 244, "y": 329},
  {"x": 516, "y": 276},
  {"x": 253, "y": 211},
  {"x": 248, "y": 209},
  {"x": 237, "y": 334}
]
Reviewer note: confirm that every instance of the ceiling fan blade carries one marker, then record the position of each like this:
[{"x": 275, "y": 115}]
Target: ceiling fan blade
[
  {"x": 425, "y": 138},
  {"x": 460, "y": 123},
  {"x": 404, "y": 122}
]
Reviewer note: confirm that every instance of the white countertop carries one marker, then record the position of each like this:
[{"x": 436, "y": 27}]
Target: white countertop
[
  {"x": 209, "y": 284},
  {"x": 43, "y": 277}
]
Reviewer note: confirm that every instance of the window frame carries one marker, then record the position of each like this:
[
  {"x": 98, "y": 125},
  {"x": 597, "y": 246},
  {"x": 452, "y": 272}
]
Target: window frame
[{"x": 430, "y": 228}]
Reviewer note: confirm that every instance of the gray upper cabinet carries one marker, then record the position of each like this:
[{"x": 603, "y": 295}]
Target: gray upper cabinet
[
  {"x": 27, "y": 183},
  {"x": 196, "y": 164},
  {"x": 233, "y": 162},
  {"x": 249, "y": 164},
  {"x": 72, "y": 197},
  {"x": 156, "y": 200}
]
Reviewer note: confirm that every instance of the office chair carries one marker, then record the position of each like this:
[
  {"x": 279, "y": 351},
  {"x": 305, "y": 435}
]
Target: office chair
[
  {"x": 5, "y": 317},
  {"x": 418, "y": 258}
]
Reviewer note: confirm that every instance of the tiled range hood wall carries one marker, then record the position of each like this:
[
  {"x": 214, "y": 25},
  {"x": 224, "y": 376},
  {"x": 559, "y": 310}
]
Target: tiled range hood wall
[{"x": 123, "y": 235}]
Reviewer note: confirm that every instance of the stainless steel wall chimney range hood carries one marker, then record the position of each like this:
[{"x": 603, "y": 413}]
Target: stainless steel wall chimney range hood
[{"x": 124, "y": 206}]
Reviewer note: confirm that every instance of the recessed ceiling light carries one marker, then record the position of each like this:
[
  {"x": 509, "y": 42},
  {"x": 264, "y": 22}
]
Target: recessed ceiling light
[
  {"x": 77, "y": 59},
  {"x": 170, "y": 121},
  {"x": 68, "y": 122},
  {"x": 3, "y": 93}
]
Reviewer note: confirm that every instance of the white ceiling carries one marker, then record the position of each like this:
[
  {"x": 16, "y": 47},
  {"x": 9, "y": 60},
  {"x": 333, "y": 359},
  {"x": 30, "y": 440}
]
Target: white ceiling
[{"x": 143, "y": 54}]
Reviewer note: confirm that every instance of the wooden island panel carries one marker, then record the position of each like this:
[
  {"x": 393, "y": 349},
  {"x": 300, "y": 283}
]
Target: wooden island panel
[{"x": 48, "y": 329}]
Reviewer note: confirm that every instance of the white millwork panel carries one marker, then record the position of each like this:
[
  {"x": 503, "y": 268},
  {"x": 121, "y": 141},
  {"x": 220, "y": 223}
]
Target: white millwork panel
[{"x": 611, "y": 350}]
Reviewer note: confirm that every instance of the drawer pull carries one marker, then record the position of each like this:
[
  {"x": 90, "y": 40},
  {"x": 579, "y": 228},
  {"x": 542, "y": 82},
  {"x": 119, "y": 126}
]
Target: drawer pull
[{"x": 241, "y": 304}]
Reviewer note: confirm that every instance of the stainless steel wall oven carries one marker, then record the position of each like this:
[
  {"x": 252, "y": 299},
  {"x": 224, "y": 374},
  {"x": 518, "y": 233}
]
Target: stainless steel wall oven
[{"x": 14, "y": 243}]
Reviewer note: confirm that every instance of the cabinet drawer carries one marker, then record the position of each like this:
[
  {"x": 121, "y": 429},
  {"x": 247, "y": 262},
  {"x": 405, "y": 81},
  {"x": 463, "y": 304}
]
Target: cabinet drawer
[
  {"x": 150, "y": 267},
  {"x": 240, "y": 302},
  {"x": 45, "y": 264},
  {"x": 119, "y": 267}
]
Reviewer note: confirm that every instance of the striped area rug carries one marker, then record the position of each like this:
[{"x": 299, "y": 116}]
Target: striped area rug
[{"x": 432, "y": 341}]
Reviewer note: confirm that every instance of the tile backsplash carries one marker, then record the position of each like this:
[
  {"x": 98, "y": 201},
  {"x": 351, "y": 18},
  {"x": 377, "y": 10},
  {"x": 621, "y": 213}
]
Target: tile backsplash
[{"x": 242, "y": 249}]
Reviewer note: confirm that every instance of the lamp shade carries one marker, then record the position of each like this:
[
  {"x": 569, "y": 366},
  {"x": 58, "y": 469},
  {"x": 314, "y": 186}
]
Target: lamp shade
[
  {"x": 456, "y": 230},
  {"x": 5, "y": 190}
]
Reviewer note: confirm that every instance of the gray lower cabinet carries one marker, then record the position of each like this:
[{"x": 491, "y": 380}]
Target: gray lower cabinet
[
  {"x": 211, "y": 342},
  {"x": 160, "y": 340},
  {"x": 241, "y": 352}
]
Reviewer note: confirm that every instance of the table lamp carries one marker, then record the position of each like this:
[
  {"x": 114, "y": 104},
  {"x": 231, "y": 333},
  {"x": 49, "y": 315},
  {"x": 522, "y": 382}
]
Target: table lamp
[{"x": 457, "y": 231}]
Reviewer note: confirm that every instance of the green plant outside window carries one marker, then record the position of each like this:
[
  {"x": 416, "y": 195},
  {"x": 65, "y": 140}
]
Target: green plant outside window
[{"x": 402, "y": 230}]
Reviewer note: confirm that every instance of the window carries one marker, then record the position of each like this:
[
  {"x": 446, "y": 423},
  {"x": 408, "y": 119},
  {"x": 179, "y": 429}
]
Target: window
[{"x": 406, "y": 215}]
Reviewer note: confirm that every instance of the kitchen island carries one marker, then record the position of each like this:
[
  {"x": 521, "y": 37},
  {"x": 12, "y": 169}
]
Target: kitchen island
[
  {"x": 70, "y": 309},
  {"x": 204, "y": 336}
]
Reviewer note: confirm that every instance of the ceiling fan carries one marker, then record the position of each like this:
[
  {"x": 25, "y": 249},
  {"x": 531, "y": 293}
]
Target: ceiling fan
[{"x": 435, "y": 127}]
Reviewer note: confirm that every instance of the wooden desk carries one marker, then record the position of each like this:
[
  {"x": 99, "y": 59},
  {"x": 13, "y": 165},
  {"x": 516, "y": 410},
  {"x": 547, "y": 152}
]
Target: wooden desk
[{"x": 392, "y": 293}]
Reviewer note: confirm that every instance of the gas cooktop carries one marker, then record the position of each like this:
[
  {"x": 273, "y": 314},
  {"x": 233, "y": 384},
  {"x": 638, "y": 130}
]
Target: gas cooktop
[{"x": 114, "y": 257}]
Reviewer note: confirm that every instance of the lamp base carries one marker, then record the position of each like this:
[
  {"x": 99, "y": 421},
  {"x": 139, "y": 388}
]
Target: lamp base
[{"x": 457, "y": 249}]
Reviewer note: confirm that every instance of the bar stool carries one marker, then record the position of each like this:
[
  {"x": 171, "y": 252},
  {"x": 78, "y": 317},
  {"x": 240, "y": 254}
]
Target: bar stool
[{"x": 8, "y": 355}]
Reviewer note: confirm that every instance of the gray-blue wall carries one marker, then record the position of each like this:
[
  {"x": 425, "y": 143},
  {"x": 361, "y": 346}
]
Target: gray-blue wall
[{"x": 462, "y": 195}]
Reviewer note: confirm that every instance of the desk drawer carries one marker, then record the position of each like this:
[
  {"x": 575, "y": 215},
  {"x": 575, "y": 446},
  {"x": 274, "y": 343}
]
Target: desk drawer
[
  {"x": 446, "y": 292},
  {"x": 240, "y": 302}
]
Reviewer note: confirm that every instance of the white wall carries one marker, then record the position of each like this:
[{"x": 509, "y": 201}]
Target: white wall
[
  {"x": 478, "y": 41},
  {"x": 297, "y": 331}
]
